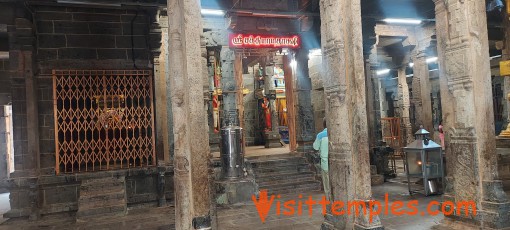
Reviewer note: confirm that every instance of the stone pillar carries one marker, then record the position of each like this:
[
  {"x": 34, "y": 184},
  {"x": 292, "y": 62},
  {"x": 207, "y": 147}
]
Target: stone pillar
[
  {"x": 505, "y": 133},
  {"x": 273, "y": 139},
  {"x": 344, "y": 86},
  {"x": 290, "y": 100},
  {"x": 421, "y": 92},
  {"x": 229, "y": 88},
  {"x": 162, "y": 104},
  {"x": 192, "y": 156},
  {"x": 305, "y": 130},
  {"x": 466, "y": 95},
  {"x": 405, "y": 106},
  {"x": 381, "y": 92},
  {"x": 373, "y": 105}
]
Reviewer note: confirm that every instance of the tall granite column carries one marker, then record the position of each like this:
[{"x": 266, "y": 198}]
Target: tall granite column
[
  {"x": 272, "y": 137},
  {"x": 305, "y": 131},
  {"x": 421, "y": 92},
  {"x": 405, "y": 106},
  {"x": 373, "y": 105},
  {"x": 229, "y": 88},
  {"x": 191, "y": 159},
  {"x": 344, "y": 86},
  {"x": 505, "y": 133},
  {"x": 466, "y": 95}
]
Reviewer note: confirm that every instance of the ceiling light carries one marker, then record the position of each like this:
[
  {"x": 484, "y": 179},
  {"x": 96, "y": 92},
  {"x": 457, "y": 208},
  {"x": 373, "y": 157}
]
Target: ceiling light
[
  {"x": 212, "y": 12},
  {"x": 383, "y": 71},
  {"x": 293, "y": 64},
  {"x": 88, "y": 3},
  {"x": 402, "y": 21},
  {"x": 497, "y": 56},
  {"x": 432, "y": 59}
]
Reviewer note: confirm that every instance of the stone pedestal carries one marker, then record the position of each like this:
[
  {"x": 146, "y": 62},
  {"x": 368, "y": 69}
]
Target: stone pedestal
[
  {"x": 273, "y": 140},
  {"x": 235, "y": 191}
]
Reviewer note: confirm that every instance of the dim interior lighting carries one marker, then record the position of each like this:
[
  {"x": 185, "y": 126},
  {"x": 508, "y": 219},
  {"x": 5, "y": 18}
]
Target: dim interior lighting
[
  {"x": 212, "y": 12},
  {"x": 402, "y": 21},
  {"x": 383, "y": 71},
  {"x": 293, "y": 64}
]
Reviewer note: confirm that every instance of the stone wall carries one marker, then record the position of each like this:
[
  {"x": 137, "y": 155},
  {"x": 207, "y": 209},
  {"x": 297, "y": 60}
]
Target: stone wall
[
  {"x": 61, "y": 193},
  {"x": 84, "y": 38},
  {"x": 69, "y": 38},
  {"x": 4, "y": 99}
]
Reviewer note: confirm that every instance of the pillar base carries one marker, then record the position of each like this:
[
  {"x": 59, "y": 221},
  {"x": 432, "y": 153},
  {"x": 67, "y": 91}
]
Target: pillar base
[
  {"x": 235, "y": 191},
  {"x": 273, "y": 140}
]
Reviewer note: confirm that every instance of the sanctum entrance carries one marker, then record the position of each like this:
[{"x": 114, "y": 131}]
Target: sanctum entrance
[{"x": 104, "y": 120}]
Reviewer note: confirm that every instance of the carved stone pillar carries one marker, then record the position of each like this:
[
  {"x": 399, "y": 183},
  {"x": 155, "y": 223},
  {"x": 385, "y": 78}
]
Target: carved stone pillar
[
  {"x": 505, "y": 133},
  {"x": 191, "y": 159},
  {"x": 162, "y": 97},
  {"x": 273, "y": 139},
  {"x": 344, "y": 86},
  {"x": 305, "y": 131},
  {"x": 468, "y": 114},
  {"x": 404, "y": 104},
  {"x": 229, "y": 88},
  {"x": 421, "y": 92},
  {"x": 373, "y": 105}
]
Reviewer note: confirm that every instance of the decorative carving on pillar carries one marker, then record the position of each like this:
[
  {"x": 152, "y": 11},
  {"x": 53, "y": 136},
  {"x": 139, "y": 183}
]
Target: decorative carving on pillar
[
  {"x": 344, "y": 86},
  {"x": 229, "y": 88},
  {"x": 305, "y": 120},
  {"x": 405, "y": 106},
  {"x": 192, "y": 153},
  {"x": 466, "y": 89}
]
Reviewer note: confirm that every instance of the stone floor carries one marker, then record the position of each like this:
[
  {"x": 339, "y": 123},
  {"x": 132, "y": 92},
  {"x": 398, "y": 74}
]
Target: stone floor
[
  {"x": 246, "y": 216},
  {"x": 4, "y": 205},
  {"x": 152, "y": 218},
  {"x": 242, "y": 216}
]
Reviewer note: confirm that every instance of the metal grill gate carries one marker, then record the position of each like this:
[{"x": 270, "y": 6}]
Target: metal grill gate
[{"x": 103, "y": 119}]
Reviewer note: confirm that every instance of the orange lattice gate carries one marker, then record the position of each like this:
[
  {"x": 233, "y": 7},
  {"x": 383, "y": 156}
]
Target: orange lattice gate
[{"x": 103, "y": 119}]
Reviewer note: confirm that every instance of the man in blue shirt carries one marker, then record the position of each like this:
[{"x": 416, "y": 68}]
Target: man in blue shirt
[{"x": 321, "y": 145}]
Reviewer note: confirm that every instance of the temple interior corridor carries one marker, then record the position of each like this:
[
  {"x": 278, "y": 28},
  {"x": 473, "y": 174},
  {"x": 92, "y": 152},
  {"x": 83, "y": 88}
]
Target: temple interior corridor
[{"x": 243, "y": 114}]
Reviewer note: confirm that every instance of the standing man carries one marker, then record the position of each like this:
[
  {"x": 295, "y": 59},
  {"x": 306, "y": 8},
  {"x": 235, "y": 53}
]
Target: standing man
[{"x": 321, "y": 145}]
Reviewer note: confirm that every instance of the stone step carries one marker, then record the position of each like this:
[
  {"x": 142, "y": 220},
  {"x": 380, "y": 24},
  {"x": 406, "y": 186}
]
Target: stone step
[
  {"x": 287, "y": 168},
  {"x": 278, "y": 162},
  {"x": 291, "y": 185},
  {"x": 273, "y": 157},
  {"x": 279, "y": 176},
  {"x": 277, "y": 183},
  {"x": 294, "y": 188},
  {"x": 102, "y": 197}
]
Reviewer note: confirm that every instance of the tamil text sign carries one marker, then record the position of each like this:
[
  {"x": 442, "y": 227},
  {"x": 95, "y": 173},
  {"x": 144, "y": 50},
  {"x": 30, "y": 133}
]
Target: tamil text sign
[{"x": 264, "y": 41}]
